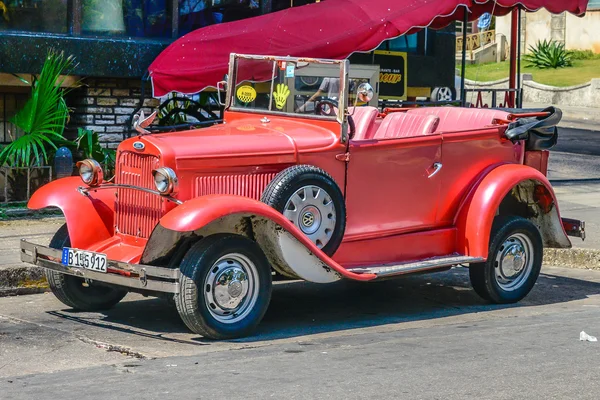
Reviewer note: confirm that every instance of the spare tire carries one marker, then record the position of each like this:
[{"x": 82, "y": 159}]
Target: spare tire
[{"x": 309, "y": 198}]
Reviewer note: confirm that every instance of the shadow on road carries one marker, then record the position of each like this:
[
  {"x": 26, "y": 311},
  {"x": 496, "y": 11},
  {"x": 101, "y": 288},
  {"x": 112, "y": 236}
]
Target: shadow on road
[{"x": 300, "y": 308}]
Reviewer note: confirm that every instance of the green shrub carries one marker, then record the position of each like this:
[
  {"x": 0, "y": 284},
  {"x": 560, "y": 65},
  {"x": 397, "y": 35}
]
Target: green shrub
[
  {"x": 548, "y": 54},
  {"x": 583, "y": 55}
]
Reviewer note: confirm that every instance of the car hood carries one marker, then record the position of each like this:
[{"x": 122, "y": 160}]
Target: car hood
[{"x": 245, "y": 137}]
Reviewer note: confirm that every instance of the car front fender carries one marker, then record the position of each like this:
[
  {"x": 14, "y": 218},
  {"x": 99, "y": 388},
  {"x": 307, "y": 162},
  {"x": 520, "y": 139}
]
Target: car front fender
[
  {"x": 90, "y": 218},
  {"x": 521, "y": 185},
  {"x": 288, "y": 250}
]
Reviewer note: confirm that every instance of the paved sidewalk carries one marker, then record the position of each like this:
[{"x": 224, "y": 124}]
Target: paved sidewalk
[{"x": 13, "y": 273}]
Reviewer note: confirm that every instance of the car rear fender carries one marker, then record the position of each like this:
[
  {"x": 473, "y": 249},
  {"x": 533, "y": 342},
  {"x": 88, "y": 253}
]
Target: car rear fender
[
  {"x": 90, "y": 218},
  {"x": 288, "y": 250},
  {"x": 509, "y": 189}
]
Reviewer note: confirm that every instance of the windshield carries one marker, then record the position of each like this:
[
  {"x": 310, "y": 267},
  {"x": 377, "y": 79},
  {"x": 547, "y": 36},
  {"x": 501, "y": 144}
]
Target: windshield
[{"x": 289, "y": 86}]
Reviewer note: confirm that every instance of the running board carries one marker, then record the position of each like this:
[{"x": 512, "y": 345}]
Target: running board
[{"x": 386, "y": 270}]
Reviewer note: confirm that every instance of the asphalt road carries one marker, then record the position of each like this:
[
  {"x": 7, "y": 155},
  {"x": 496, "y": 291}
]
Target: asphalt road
[
  {"x": 425, "y": 336},
  {"x": 575, "y": 157},
  {"x": 579, "y": 141}
]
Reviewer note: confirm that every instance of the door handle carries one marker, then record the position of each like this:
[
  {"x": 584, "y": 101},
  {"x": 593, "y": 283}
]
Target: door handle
[{"x": 436, "y": 168}]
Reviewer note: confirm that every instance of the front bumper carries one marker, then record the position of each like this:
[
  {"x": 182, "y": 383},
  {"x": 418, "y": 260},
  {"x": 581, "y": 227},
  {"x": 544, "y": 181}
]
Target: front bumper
[{"x": 135, "y": 276}]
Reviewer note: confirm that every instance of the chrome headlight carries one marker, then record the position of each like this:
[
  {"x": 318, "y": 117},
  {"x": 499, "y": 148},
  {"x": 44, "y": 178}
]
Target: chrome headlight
[
  {"x": 90, "y": 172},
  {"x": 165, "y": 180}
]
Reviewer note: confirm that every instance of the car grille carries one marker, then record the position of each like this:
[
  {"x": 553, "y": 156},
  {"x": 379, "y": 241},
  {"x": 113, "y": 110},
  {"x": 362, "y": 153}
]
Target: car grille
[
  {"x": 242, "y": 185},
  {"x": 137, "y": 212}
]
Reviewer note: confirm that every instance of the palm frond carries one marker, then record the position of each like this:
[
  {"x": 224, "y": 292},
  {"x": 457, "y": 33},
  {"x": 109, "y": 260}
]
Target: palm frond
[{"x": 44, "y": 115}]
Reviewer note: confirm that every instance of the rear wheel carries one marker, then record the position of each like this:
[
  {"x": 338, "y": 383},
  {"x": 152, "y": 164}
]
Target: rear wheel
[
  {"x": 225, "y": 287},
  {"x": 514, "y": 261},
  {"x": 76, "y": 292}
]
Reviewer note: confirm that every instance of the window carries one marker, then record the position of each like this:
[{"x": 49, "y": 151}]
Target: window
[
  {"x": 34, "y": 15},
  {"x": 594, "y": 5},
  {"x": 407, "y": 43},
  {"x": 10, "y": 103},
  {"x": 278, "y": 5},
  {"x": 138, "y": 18},
  {"x": 195, "y": 14},
  {"x": 420, "y": 43}
]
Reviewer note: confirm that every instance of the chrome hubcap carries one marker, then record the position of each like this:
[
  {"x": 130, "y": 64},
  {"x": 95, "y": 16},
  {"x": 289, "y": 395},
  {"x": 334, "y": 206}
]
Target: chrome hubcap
[
  {"x": 230, "y": 289},
  {"x": 311, "y": 209},
  {"x": 514, "y": 262},
  {"x": 444, "y": 94}
]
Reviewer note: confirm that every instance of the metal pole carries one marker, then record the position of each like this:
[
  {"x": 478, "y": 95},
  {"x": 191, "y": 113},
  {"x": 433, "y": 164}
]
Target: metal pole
[
  {"x": 513, "y": 54},
  {"x": 463, "y": 71},
  {"x": 519, "y": 97}
]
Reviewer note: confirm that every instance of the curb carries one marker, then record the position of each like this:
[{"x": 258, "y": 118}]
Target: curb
[
  {"x": 17, "y": 280},
  {"x": 573, "y": 124},
  {"x": 573, "y": 258}
]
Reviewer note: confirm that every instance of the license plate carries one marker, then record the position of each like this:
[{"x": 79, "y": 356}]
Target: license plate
[{"x": 84, "y": 259}]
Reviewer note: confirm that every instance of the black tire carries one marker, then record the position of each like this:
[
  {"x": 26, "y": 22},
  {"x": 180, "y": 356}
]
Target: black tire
[
  {"x": 193, "y": 301},
  {"x": 287, "y": 182},
  {"x": 70, "y": 290},
  {"x": 443, "y": 94},
  {"x": 493, "y": 284}
]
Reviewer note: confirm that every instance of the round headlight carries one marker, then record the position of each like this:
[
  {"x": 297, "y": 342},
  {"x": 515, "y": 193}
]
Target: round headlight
[
  {"x": 165, "y": 180},
  {"x": 90, "y": 172}
]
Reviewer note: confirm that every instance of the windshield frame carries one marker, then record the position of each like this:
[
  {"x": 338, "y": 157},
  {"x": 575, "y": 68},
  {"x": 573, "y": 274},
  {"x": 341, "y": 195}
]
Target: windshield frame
[{"x": 344, "y": 66}]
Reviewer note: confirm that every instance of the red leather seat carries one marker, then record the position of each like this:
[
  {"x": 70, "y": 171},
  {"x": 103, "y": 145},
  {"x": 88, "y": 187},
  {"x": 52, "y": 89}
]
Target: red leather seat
[
  {"x": 403, "y": 125},
  {"x": 459, "y": 118},
  {"x": 364, "y": 121}
]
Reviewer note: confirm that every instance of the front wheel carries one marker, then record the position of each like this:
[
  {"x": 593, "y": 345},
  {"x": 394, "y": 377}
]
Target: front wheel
[
  {"x": 514, "y": 261},
  {"x": 76, "y": 292},
  {"x": 225, "y": 287}
]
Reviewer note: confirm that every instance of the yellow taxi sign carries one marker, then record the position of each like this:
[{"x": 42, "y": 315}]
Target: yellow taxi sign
[{"x": 246, "y": 94}]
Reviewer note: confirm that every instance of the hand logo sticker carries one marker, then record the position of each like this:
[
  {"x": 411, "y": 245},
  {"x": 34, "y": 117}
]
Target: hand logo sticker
[{"x": 281, "y": 95}]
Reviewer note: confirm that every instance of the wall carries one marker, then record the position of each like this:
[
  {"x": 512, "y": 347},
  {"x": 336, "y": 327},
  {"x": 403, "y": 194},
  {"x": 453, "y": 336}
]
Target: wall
[
  {"x": 105, "y": 105},
  {"x": 576, "y": 32},
  {"x": 584, "y": 33}
]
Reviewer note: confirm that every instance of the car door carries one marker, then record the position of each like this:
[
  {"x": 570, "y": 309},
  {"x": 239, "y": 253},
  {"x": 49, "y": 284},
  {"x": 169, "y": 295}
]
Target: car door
[{"x": 392, "y": 185}]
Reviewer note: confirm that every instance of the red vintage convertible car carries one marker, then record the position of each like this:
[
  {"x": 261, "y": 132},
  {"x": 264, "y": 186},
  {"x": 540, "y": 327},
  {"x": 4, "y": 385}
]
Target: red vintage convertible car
[{"x": 321, "y": 192}]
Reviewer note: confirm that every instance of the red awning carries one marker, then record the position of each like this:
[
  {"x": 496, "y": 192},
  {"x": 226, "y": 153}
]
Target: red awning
[{"x": 330, "y": 29}]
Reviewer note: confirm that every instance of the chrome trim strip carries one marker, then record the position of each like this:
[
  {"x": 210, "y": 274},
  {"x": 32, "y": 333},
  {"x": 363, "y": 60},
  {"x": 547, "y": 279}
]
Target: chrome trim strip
[
  {"x": 147, "y": 277},
  {"x": 85, "y": 190},
  {"x": 415, "y": 266}
]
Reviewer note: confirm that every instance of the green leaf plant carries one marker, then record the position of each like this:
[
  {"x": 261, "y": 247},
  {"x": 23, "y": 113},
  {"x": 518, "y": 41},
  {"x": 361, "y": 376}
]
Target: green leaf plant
[
  {"x": 548, "y": 54},
  {"x": 42, "y": 120}
]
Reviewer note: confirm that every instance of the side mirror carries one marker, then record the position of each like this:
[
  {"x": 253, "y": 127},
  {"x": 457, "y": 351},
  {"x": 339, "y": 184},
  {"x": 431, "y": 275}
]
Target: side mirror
[{"x": 364, "y": 93}]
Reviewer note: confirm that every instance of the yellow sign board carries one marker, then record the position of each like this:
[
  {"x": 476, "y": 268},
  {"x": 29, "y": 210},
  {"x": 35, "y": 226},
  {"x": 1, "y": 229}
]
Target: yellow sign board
[{"x": 392, "y": 76}]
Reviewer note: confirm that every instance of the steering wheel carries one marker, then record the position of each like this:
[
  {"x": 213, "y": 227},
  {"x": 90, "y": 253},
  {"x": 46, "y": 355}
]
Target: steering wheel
[{"x": 326, "y": 107}]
